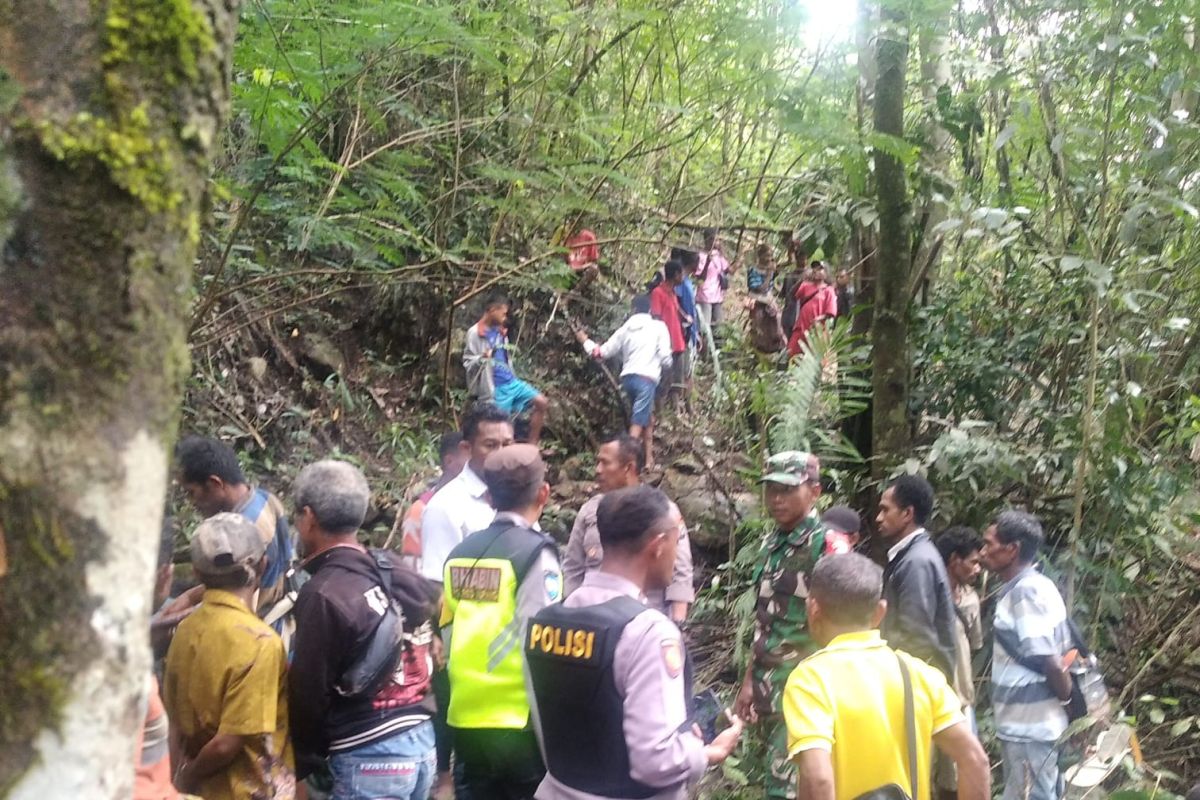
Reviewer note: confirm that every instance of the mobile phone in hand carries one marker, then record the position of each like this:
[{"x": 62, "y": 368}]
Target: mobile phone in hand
[{"x": 707, "y": 714}]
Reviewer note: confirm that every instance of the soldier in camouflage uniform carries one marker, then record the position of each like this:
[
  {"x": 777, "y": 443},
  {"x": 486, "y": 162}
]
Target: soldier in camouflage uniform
[{"x": 781, "y": 637}]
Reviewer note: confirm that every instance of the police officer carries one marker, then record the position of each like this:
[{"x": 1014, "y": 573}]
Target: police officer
[
  {"x": 781, "y": 636},
  {"x": 495, "y": 580},
  {"x": 608, "y": 673}
]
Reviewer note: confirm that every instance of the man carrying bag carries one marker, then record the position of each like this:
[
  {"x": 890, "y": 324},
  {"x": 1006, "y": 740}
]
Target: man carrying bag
[
  {"x": 360, "y": 684},
  {"x": 861, "y": 717}
]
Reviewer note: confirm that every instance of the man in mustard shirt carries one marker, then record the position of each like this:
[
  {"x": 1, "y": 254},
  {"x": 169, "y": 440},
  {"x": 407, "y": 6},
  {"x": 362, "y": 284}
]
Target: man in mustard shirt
[
  {"x": 846, "y": 705},
  {"x": 226, "y": 678}
]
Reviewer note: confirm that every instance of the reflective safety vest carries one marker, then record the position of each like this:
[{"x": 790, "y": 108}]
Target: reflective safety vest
[
  {"x": 581, "y": 709},
  {"x": 486, "y": 662}
]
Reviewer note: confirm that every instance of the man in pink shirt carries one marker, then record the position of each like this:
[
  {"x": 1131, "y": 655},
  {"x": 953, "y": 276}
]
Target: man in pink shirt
[
  {"x": 817, "y": 301},
  {"x": 712, "y": 272}
]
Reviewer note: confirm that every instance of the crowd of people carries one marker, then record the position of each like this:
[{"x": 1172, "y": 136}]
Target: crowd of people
[
  {"x": 479, "y": 659},
  {"x": 669, "y": 325}
]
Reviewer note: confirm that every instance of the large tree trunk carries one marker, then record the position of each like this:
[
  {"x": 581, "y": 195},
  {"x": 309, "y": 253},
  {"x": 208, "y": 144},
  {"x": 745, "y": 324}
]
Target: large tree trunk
[
  {"x": 108, "y": 113},
  {"x": 889, "y": 331},
  {"x": 937, "y": 148},
  {"x": 863, "y": 239}
]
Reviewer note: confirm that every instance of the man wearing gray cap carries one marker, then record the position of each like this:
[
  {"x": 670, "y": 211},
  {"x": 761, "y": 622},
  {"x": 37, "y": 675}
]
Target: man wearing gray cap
[
  {"x": 612, "y": 688},
  {"x": 781, "y": 635},
  {"x": 225, "y": 687},
  {"x": 495, "y": 580}
]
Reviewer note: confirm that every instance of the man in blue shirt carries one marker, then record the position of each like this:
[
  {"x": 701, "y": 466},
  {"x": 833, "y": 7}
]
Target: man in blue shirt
[{"x": 489, "y": 368}]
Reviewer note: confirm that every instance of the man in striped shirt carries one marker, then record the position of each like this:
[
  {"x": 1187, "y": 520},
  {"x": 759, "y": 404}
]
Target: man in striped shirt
[{"x": 1029, "y": 672}]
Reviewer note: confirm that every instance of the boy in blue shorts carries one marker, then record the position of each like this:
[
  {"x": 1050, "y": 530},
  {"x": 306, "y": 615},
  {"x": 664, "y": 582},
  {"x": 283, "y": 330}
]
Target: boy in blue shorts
[{"x": 490, "y": 376}]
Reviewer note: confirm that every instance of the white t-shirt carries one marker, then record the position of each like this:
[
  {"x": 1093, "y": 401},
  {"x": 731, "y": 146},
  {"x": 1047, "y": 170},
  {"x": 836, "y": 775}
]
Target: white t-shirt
[
  {"x": 643, "y": 344},
  {"x": 454, "y": 512}
]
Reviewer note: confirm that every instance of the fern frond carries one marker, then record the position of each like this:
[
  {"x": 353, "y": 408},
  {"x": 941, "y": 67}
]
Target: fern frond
[{"x": 792, "y": 401}]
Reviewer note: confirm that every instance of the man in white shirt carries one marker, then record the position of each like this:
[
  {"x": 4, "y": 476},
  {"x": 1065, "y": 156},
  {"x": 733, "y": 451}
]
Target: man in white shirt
[
  {"x": 459, "y": 508},
  {"x": 643, "y": 345},
  {"x": 455, "y": 511}
]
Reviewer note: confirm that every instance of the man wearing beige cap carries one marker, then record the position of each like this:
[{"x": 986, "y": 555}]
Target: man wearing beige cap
[
  {"x": 225, "y": 687},
  {"x": 495, "y": 580},
  {"x": 781, "y": 635}
]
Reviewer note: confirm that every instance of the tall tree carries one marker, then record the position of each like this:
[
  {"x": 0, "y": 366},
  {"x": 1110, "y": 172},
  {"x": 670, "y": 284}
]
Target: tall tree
[
  {"x": 108, "y": 115},
  {"x": 890, "y": 357},
  {"x": 937, "y": 143}
]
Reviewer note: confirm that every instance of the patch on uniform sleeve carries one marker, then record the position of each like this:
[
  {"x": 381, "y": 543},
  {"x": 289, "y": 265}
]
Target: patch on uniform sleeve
[
  {"x": 672, "y": 657},
  {"x": 553, "y": 583}
]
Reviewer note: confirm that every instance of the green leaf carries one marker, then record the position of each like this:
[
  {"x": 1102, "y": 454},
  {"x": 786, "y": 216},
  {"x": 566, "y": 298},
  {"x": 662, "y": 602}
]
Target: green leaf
[{"x": 899, "y": 149}]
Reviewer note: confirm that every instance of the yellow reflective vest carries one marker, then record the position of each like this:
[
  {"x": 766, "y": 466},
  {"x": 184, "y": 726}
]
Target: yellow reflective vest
[{"x": 486, "y": 658}]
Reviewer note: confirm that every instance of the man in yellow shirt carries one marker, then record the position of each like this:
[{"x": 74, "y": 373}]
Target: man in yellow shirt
[
  {"x": 845, "y": 706},
  {"x": 225, "y": 687}
]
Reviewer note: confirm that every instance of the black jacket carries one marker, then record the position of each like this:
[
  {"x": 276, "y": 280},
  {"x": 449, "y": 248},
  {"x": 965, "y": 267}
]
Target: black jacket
[
  {"x": 920, "y": 609},
  {"x": 336, "y": 614}
]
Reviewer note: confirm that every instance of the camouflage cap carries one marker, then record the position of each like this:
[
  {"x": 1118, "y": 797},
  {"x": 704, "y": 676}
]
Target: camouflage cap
[
  {"x": 224, "y": 543},
  {"x": 792, "y": 468}
]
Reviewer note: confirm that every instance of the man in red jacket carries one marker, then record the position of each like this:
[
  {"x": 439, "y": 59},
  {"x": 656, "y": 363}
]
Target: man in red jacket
[
  {"x": 664, "y": 305},
  {"x": 817, "y": 303}
]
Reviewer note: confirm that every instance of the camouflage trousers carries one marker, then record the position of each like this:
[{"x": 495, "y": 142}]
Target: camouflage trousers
[
  {"x": 770, "y": 742},
  {"x": 769, "y": 748}
]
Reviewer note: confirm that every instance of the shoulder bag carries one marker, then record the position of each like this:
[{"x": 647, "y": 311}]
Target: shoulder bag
[
  {"x": 893, "y": 791},
  {"x": 1089, "y": 694},
  {"x": 378, "y": 659}
]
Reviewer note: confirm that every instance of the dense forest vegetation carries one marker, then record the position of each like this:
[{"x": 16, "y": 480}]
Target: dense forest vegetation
[{"x": 1014, "y": 185}]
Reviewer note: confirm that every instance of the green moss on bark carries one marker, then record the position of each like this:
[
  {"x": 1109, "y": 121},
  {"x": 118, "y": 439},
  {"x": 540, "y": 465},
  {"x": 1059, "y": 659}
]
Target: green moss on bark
[
  {"x": 168, "y": 37},
  {"x": 139, "y": 162},
  {"x": 151, "y": 49},
  {"x": 100, "y": 196},
  {"x": 44, "y": 613}
]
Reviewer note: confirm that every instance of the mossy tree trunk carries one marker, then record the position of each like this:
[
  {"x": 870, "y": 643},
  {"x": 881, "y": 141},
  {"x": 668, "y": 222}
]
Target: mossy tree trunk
[
  {"x": 108, "y": 113},
  {"x": 890, "y": 438}
]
